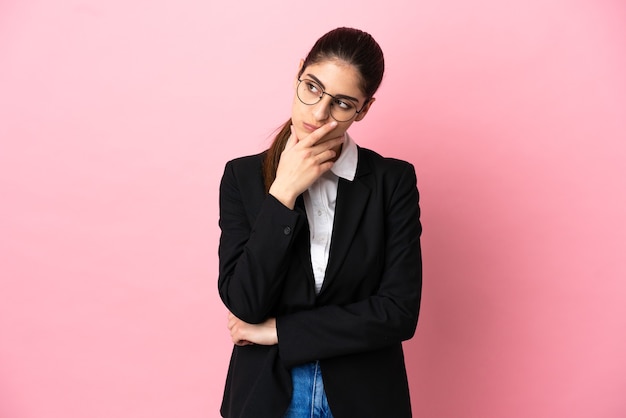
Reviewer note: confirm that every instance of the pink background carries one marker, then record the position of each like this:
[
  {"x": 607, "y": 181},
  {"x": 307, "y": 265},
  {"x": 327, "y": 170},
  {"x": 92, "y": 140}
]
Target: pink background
[{"x": 116, "y": 119}]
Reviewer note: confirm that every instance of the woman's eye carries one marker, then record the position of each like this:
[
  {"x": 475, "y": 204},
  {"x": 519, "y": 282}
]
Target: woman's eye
[
  {"x": 313, "y": 88},
  {"x": 343, "y": 105}
]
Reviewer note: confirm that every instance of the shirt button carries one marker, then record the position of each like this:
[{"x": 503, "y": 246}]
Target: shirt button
[
  {"x": 287, "y": 230},
  {"x": 319, "y": 213}
]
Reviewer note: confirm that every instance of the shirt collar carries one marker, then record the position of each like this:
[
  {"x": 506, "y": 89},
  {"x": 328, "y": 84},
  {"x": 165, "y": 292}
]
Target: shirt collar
[{"x": 345, "y": 166}]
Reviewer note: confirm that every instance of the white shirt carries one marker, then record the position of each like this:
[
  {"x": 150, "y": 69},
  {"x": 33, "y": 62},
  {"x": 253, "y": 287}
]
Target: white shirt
[{"x": 319, "y": 203}]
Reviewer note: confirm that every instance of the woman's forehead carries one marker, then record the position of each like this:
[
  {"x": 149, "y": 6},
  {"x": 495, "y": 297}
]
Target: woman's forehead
[{"x": 336, "y": 76}]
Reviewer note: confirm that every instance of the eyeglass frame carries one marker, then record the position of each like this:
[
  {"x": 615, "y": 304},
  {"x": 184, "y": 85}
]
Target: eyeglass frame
[{"x": 300, "y": 80}]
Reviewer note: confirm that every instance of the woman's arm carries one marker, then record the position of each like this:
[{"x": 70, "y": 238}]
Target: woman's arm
[
  {"x": 257, "y": 234},
  {"x": 258, "y": 229}
]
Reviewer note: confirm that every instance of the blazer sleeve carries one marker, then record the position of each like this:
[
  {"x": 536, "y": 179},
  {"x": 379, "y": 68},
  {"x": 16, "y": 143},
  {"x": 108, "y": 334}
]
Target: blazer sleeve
[
  {"x": 387, "y": 317},
  {"x": 250, "y": 269}
]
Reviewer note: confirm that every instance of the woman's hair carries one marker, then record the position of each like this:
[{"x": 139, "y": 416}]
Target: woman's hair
[{"x": 349, "y": 45}]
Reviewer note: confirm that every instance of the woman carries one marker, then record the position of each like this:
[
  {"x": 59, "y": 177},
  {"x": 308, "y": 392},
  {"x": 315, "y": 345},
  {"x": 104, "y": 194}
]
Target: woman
[{"x": 320, "y": 260}]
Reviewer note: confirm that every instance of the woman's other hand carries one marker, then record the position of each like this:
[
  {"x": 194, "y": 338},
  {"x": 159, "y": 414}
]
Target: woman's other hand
[{"x": 243, "y": 333}]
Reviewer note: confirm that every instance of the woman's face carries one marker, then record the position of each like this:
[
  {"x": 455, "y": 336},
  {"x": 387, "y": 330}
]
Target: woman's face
[{"x": 335, "y": 78}]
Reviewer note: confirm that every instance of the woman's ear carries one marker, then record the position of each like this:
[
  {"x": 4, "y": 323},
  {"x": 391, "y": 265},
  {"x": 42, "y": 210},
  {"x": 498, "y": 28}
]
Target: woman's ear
[
  {"x": 300, "y": 66},
  {"x": 366, "y": 109}
]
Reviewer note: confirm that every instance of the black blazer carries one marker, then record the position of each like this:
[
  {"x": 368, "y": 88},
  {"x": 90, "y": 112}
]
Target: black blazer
[{"x": 368, "y": 304}]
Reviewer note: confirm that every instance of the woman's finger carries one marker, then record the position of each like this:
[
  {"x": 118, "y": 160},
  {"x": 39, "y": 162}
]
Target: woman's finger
[
  {"x": 327, "y": 145},
  {"x": 318, "y": 134}
]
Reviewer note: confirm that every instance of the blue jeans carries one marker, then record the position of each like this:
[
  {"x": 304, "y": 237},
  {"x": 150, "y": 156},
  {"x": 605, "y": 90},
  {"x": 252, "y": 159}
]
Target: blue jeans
[{"x": 309, "y": 398}]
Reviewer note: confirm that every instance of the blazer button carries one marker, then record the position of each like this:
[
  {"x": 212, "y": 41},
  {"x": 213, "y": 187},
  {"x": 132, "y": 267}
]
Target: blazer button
[{"x": 287, "y": 230}]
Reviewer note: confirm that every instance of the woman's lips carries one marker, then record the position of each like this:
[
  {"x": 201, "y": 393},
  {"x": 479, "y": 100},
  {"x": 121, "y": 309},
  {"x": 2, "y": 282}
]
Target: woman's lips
[{"x": 309, "y": 127}]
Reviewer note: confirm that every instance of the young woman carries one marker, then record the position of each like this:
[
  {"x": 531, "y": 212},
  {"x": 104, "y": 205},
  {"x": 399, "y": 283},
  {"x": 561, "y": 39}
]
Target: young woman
[{"x": 319, "y": 256}]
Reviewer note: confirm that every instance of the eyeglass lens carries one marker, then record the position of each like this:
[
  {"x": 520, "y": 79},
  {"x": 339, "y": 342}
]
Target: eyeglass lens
[{"x": 310, "y": 93}]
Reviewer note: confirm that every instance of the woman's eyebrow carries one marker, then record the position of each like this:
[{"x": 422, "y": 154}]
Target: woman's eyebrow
[{"x": 342, "y": 96}]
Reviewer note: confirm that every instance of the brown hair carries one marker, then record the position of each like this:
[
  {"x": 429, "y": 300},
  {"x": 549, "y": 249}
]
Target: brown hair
[{"x": 352, "y": 46}]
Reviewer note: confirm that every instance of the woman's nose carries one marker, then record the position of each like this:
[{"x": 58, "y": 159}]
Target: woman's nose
[{"x": 321, "y": 110}]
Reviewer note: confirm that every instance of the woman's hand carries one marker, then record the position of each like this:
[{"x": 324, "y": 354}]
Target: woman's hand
[
  {"x": 243, "y": 333},
  {"x": 302, "y": 162}
]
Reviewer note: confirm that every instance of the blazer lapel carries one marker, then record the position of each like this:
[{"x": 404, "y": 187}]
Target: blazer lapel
[
  {"x": 305, "y": 250},
  {"x": 352, "y": 197}
]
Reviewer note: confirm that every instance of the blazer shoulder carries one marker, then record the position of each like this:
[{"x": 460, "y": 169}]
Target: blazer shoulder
[
  {"x": 371, "y": 160},
  {"x": 244, "y": 176},
  {"x": 246, "y": 162},
  {"x": 245, "y": 168}
]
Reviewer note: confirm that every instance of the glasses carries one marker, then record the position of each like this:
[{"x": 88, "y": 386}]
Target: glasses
[{"x": 341, "y": 109}]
